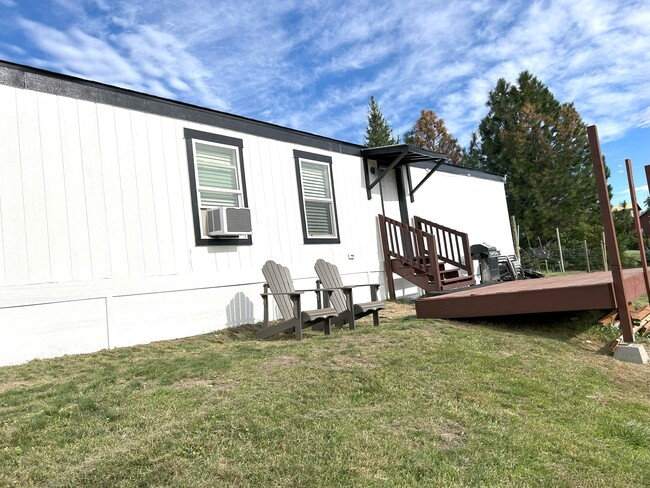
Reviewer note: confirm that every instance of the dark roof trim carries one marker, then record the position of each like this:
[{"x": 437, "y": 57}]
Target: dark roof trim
[
  {"x": 27, "y": 77},
  {"x": 461, "y": 170},
  {"x": 20, "y": 76}
]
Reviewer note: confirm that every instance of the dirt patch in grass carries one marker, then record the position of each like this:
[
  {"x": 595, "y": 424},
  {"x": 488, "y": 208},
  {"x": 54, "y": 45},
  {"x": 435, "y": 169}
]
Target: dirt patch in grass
[
  {"x": 397, "y": 309},
  {"x": 16, "y": 385},
  {"x": 347, "y": 361},
  {"x": 192, "y": 383},
  {"x": 271, "y": 364},
  {"x": 451, "y": 437}
]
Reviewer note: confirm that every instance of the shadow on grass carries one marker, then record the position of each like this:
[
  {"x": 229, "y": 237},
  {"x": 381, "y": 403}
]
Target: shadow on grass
[
  {"x": 562, "y": 326},
  {"x": 556, "y": 325}
]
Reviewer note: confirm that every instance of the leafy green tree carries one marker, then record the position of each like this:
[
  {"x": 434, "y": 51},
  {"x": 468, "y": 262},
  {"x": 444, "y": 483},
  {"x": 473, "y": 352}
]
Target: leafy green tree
[
  {"x": 541, "y": 146},
  {"x": 430, "y": 132},
  {"x": 378, "y": 132}
]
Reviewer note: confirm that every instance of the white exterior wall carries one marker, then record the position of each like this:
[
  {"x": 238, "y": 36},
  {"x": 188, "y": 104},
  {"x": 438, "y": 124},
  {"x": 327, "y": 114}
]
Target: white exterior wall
[
  {"x": 97, "y": 246},
  {"x": 467, "y": 203},
  {"x": 476, "y": 206},
  {"x": 97, "y": 236}
]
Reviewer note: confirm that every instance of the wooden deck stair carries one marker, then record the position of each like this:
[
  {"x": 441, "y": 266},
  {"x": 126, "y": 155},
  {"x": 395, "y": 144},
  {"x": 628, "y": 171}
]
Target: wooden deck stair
[{"x": 408, "y": 251}]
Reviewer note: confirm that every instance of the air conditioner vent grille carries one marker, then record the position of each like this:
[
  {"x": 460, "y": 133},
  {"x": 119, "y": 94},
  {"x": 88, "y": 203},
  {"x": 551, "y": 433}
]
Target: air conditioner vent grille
[
  {"x": 239, "y": 219},
  {"x": 228, "y": 221}
]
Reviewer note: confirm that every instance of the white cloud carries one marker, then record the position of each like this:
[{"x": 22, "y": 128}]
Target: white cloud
[{"x": 313, "y": 65}]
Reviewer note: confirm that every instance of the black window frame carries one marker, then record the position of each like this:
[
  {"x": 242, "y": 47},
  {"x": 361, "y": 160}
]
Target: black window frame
[
  {"x": 320, "y": 158},
  {"x": 190, "y": 136}
]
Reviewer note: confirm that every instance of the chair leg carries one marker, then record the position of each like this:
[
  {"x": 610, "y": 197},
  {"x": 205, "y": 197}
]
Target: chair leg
[
  {"x": 297, "y": 312},
  {"x": 350, "y": 304},
  {"x": 375, "y": 318},
  {"x": 265, "y": 300},
  {"x": 327, "y": 326}
]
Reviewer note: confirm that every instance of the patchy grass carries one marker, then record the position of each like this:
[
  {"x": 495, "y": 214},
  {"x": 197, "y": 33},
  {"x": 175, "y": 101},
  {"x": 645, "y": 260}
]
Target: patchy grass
[{"x": 410, "y": 403}]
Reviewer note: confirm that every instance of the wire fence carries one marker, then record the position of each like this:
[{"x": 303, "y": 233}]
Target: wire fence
[{"x": 575, "y": 257}]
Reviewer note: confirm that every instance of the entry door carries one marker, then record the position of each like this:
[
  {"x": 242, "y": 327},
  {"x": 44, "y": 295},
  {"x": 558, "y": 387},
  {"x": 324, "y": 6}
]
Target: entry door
[{"x": 389, "y": 197}]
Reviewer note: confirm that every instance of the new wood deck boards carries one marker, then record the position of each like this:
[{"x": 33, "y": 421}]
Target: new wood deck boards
[{"x": 588, "y": 291}]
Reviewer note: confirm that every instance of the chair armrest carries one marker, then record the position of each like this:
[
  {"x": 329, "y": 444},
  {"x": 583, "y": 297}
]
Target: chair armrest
[
  {"x": 290, "y": 293},
  {"x": 365, "y": 284},
  {"x": 311, "y": 289}
]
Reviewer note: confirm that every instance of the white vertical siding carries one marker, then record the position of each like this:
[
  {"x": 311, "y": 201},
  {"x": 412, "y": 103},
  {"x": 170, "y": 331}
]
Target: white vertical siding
[
  {"x": 171, "y": 139},
  {"x": 94, "y": 185},
  {"x": 261, "y": 197},
  {"x": 129, "y": 192},
  {"x": 114, "y": 200},
  {"x": 161, "y": 195},
  {"x": 466, "y": 203},
  {"x": 14, "y": 242},
  {"x": 36, "y": 232},
  {"x": 75, "y": 190},
  {"x": 146, "y": 203},
  {"x": 56, "y": 204}
]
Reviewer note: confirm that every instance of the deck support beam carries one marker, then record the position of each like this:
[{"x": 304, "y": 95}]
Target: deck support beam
[
  {"x": 637, "y": 225},
  {"x": 610, "y": 235}
]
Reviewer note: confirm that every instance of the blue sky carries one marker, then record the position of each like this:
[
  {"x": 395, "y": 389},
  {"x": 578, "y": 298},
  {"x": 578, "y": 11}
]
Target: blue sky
[{"x": 313, "y": 65}]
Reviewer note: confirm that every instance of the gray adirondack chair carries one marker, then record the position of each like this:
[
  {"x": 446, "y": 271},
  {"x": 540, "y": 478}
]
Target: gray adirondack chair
[
  {"x": 341, "y": 298},
  {"x": 280, "y": 284}
]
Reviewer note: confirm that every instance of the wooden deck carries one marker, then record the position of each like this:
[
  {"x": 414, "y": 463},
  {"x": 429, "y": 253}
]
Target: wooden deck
[{"x": 589, "y": 291}]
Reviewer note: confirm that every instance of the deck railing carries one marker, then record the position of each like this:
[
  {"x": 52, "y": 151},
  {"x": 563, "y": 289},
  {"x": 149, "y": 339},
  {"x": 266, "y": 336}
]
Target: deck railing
[
  {"x": 453, "y": 246},
  {"x": 410, "y": 246}
]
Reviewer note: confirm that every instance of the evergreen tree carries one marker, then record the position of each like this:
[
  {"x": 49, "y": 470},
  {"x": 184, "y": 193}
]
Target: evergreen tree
[
  {"x": 430, "y": 132},
  {"x": 378, "y": 132},
  {"x": 541, "y": 146},
  {"x": 471, "y": 155}
]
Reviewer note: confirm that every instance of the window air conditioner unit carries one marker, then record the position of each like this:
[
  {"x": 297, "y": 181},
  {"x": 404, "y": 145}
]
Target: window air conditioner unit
[{"x": 229, "y": 221}]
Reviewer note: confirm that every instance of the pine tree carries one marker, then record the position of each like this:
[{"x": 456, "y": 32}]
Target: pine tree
[
  {"x": 430, "y": 132},
  {"x": 471, "y": 156},
  {"x": 378, "y": 132},
  {"x": 541, "y": 146}
]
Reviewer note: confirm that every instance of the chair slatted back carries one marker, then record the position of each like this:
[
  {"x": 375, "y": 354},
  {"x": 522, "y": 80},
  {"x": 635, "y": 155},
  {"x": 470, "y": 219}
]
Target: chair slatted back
[
  {"x": 279, "y": 280},
  {"x": 329, "y": 276}
]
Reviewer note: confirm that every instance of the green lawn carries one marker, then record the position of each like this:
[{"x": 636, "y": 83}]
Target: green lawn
[{"x": 410, "y": 403}]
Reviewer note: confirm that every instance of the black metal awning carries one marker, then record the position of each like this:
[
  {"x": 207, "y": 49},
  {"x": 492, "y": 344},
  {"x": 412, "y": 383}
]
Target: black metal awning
[{"x": 392, "y": 157}]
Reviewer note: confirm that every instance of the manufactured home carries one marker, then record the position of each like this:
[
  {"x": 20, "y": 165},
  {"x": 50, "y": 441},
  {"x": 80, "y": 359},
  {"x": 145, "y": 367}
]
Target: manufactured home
[{"x": 127, "y": 218}]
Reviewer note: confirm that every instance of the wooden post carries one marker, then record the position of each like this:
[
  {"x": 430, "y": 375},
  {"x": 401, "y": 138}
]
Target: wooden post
[
  {"x": 587, "y": 257},
  {"x": 559, "y": 246},
  {"x": 607, "y": 219},
  {"x": 637, "y": 225},
  {"x": 515, "y": 236},
  {"x": 647, "y": 178}
]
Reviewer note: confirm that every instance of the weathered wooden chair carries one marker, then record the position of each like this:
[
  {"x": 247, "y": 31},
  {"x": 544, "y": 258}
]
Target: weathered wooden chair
[
  {"x": 340, "y": 296},
  {"x": 280, "y": 284}
]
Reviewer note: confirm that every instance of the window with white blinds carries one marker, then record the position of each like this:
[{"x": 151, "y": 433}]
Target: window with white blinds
[
  {"x": 217, "y": 179},
  {"x": 217, "y": 175},
  {"x": 317, "y": 199}
]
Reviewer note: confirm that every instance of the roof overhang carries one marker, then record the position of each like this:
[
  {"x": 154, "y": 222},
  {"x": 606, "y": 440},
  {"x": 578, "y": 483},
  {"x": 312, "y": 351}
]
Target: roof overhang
[{"x": 398, "y": 156}]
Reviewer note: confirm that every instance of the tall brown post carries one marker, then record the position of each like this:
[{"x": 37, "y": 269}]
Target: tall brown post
[
  {"x": 637, "y": 225},
  {"x": 624, "y": 315}
]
